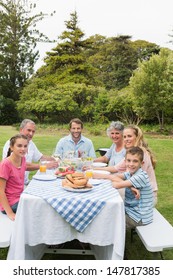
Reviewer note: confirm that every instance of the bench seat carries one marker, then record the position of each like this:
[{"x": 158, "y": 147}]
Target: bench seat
[
  {"x": 6, "y": 227},
  {"x": 158, "y": 235}
]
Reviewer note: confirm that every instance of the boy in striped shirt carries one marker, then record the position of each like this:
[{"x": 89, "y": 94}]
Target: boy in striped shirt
[{"x": 138, "y": 192}]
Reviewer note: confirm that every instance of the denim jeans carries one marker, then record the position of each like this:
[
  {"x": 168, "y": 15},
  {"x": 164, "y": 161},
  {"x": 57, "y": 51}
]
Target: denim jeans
[{"x": 13, "y": 207}]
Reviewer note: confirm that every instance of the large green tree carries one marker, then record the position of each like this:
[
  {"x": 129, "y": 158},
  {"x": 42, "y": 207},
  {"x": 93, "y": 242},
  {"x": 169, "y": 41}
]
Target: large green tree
[
  {"x": 18, "y": 39},
  {"x": 18, "y": 54},
  {"x": 58, "y": 102},
  {"x": 152, "y": 87},
  {"x": 66, "y": 62},
  {"x": 67, "y": 80},
  {"x": 145, "y": 49},
  {"x": 115, "y": 58}
]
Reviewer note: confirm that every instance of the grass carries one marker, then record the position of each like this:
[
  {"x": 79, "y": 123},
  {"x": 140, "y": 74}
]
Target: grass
[{"x": 46, "y": 139}]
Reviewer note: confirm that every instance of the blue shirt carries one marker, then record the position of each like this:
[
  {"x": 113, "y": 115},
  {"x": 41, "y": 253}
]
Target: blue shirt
[
  {"x": 84, "y": 146},
  {"x": 139, "y": 209},
  {"x": 114, "y": 156}
]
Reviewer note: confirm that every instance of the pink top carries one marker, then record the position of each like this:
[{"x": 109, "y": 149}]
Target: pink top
[
  {"x": 14, "y": 177},
  {"x": 147, "y": 166}
]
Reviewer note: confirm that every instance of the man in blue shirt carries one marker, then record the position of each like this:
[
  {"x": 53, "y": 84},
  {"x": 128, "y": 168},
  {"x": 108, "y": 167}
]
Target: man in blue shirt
[
  {"x": 75, "y": 144},
  {"x": 138, "y": 192}
]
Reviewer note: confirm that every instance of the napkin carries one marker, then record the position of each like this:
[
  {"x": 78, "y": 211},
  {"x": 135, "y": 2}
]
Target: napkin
[{"x": 78, "y": 213}]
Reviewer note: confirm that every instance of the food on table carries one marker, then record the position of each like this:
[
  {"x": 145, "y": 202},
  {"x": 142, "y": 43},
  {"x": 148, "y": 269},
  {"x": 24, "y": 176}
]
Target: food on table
[
  {"x": 71, "y": 164},
  {"x": 76, "y": 180},
  {"x": 62, "y": 168}
]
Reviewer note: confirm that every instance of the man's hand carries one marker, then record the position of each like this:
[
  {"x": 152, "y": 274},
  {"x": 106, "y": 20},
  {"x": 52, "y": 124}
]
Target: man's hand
[{"x": 52, "y": 164}]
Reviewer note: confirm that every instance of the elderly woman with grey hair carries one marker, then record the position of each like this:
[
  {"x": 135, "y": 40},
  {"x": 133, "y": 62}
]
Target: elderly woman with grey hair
[{"x": 117, "y": 151}]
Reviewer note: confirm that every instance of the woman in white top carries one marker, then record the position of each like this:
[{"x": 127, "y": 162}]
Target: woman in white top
[{"x": 117, "y": 151}]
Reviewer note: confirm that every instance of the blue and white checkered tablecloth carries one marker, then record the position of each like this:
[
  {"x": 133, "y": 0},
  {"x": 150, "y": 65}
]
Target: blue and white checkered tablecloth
[{"x": 78, "y": 209}]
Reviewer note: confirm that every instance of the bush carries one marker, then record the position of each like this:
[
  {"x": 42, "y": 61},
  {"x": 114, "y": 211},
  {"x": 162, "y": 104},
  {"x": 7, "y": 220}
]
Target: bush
[{"x": 8, "y": 111}]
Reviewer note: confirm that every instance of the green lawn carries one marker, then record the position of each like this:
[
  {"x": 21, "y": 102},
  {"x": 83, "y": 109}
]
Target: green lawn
[{"x": 162, "y": 146}]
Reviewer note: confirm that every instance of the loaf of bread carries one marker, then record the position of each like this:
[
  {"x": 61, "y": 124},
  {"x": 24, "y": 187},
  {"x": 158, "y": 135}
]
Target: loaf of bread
[{"x": 77, "y": 180}]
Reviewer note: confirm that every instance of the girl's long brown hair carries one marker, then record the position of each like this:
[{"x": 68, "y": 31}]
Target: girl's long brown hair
[{"x": 13, "y": 141}]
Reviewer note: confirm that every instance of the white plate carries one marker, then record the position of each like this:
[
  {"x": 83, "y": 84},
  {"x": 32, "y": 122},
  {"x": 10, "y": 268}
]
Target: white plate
[
  {"x": 46, "y": 177},
  {"x": 99, "y": 164},
  {"x": 77, "y": 190},
  {"x": 103, "y": 149},
  {"x": 95, "y": 181}
]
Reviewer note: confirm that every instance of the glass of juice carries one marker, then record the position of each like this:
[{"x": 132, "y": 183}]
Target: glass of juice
[
  {"x": 43, "y": 167},
  {"x": 89, "y": 173}
]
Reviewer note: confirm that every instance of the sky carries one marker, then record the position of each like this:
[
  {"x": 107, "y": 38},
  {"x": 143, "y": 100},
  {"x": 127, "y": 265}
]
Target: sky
[{"x": 150, "y": 20}]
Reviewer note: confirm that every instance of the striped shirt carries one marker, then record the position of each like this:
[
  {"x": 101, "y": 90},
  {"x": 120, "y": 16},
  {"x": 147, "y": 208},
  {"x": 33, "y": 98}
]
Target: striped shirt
[{"x": 139, "y": 209}]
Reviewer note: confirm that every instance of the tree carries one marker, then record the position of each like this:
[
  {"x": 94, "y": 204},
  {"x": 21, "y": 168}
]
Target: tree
[
  {"x": 61, "y": 102},
  {"x": 144, "y": 49},
  {"x": 18, "y": 39},
  {"x": 66, "y": 63},
  {"x": 115, "y": 58},
  {"x": 101, "y": 102},
  {"x": 8, "y": 111},
  {"x": 152, "y": 87},
  {"x": 67, "y": 81},
  {"x": 121, "y": 61}
]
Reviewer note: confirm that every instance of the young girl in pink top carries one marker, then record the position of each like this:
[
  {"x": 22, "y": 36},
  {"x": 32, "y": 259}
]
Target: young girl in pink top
[{"x": 12, "y": 171}]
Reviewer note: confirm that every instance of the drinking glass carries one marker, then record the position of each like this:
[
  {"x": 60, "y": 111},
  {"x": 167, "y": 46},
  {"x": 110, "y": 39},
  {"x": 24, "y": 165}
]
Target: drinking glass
[
  {"x": 55, "y": 155},
  {"x": 89, "y": 174},
  {"x": 42, "y": 167}
]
